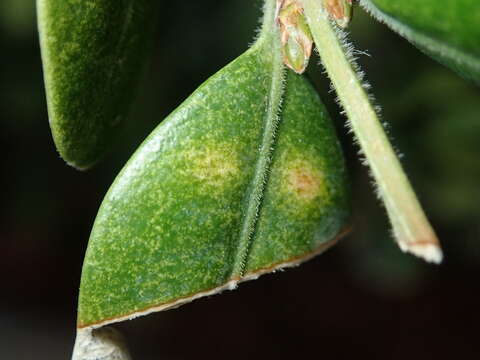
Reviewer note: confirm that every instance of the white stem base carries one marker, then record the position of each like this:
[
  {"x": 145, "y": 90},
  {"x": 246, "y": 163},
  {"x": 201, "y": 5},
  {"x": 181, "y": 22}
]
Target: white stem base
[{"x": 105, "y": 343}]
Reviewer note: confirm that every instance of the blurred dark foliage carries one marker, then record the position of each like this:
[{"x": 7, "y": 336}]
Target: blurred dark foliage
[{"x": 363, "y": 298}]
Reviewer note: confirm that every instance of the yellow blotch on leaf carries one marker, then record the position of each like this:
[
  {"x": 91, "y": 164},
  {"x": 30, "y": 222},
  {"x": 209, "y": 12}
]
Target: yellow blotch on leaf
[{"x": 213, "y": 165}]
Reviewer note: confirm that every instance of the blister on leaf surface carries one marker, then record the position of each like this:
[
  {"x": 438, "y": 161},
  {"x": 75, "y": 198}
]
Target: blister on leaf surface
[
  {"x": 230, "y": 185},
  {"x": 447, "y": 30},
  {"x": 92, "y": 53}
]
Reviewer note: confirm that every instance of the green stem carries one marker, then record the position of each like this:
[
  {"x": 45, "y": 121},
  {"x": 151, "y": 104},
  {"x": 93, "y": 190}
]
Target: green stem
[
  {"x": 411, "y": 228},
  {"x": 268, "y": 22}
]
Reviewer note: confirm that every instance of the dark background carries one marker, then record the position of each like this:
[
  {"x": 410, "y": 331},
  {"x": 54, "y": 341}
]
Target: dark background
[{"x": 363, "y": 298}]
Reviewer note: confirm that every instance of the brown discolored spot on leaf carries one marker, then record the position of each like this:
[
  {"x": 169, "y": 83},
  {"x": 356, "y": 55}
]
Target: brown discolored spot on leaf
[{"x": 305, "y": 182}]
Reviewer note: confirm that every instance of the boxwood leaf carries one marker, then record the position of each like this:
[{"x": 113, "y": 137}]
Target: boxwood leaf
[
  {"x": 231, "y": 185},
  {"x": 447, "y": 30},
  {"x": 92, "y": 54}
]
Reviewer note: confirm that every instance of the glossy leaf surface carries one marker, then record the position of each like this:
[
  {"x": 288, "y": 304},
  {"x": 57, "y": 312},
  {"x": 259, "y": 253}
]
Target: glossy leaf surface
[
  {"x": 92, "y": 53},
  {"x": 447, "y": 30},
  {"x": 208, "y": 201}
]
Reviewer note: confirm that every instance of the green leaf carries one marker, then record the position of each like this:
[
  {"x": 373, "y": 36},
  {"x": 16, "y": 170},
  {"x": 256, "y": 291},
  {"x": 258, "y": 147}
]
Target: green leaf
[
  {"x": 447, "y": 30},
  {"x": 92, "y": 54},
  {"x": 231, "y": 185}
]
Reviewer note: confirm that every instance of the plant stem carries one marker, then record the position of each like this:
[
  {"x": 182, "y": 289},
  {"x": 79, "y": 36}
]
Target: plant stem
[{"x": 411, "y": 228}]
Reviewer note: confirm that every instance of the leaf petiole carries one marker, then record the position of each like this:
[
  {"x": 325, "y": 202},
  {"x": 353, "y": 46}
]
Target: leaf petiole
[{"x": 411, "y": 228}]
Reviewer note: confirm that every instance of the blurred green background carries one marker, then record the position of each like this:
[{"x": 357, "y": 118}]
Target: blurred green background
[{"x": 362, "y": 298}]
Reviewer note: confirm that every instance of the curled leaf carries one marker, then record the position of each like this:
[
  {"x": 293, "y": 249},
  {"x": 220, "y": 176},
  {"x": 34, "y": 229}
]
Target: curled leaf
[
  {"x": 230, "y": 186},
  {"x": 447, "y": 30},
  {"x": 92, "y": 54}
]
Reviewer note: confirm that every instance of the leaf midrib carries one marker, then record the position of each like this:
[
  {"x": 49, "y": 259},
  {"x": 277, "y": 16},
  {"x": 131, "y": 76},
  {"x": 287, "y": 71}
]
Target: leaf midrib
[{"x": 260, "y": 178}]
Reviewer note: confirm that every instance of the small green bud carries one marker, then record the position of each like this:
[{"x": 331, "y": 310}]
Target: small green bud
[
  {"x": 340, "y": 11},
  {"x": 296, "y": 38}
]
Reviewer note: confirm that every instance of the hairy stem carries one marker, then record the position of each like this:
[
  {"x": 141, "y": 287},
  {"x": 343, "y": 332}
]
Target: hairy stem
[{"x": 411, "y": 228}]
